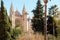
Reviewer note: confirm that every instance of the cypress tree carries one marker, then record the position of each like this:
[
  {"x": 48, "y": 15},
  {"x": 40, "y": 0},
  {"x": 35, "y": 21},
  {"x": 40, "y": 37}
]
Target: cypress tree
[
  {"x": 5, "y": 25},
  {"x": 37, "y": 20}
]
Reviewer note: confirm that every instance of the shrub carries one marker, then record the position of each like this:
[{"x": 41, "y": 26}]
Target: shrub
[{"x": 16, "y": 33}]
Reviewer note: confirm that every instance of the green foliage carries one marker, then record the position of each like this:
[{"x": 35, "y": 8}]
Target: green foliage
[
  {"x": 51, "y": 37},
  {"x": 57, "y": 21},
  {"x": 50, "y": 26},
  {"x": 52, "y": 10},
  {"x": 51, "y": 23},
  {"x": 37, "y": 21},
  {"x": 5, "y": 25},
  {"x": 16, "y": 33}
]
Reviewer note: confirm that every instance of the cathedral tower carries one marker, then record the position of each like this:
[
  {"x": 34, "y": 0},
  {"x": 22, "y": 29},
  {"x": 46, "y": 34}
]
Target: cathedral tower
[
  {"x": 11, "y": 10},
  {"x": 12, "y": 16},
  {"x": 25, "y": 19}
]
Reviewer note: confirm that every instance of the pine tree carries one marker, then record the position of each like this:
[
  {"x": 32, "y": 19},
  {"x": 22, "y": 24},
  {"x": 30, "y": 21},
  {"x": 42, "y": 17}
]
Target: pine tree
[
  {"x": 5, "y": 25},
  {"x": 37, "y": 20}
]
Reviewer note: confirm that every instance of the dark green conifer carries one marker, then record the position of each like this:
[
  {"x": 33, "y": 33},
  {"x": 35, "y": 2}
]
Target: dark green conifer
[
  {"x": 37, "y": 20},
  {"x": 5, "y": 24}
]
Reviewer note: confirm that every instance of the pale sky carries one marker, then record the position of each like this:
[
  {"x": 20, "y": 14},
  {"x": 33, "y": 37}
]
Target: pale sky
[{"x": 29, "y": 4}]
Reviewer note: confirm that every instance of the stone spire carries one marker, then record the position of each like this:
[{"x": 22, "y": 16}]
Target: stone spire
[
  {"x": 12, "y": 16},
  {"x": 11, "y": 6},
  {"x": 17, "y": 13},
  {"x": 24, "y": 10},
  {"x": 11, "y": 10}
]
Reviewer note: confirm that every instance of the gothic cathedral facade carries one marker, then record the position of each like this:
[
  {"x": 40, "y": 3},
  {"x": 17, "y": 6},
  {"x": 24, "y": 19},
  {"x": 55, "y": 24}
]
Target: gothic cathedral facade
[{"x": 20, "y": 19}]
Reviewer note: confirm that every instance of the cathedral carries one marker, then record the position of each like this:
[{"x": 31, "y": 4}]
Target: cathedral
[{"x": 20, "y": 19}]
